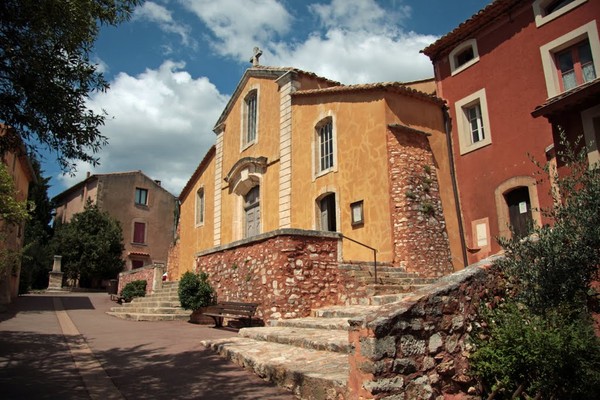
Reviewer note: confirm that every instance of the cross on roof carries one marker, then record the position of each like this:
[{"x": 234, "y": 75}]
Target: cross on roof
[{"x": 256, "y": 56}]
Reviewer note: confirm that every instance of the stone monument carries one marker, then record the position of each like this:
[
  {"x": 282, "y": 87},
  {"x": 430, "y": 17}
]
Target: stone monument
[{"x": 56, "y": 275}]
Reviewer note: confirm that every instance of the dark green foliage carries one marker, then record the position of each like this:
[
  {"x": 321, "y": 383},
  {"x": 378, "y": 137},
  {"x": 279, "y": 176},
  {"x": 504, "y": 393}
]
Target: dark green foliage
[
  {"x": 91, "y": 246},
  {"x": 195, "y": 291},
  {"x": 541, "y": 338},
  {"x": 46, "y": 75},
  {"x": 133, "y": 289},
  {"x": 555, "y": 355},
  {"x": 37, "y": 254}
]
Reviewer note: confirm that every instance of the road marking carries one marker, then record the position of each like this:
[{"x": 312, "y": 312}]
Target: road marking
[{"x": 96, "y": 380}]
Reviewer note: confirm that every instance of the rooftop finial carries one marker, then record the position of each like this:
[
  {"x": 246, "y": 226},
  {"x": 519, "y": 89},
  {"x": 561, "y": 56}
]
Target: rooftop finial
[{"x": 256, "y": 56}]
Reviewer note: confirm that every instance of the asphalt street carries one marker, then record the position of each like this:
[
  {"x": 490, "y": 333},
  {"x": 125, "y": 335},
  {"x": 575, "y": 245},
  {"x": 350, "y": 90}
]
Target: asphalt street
[{"x": 64, "y": 346}]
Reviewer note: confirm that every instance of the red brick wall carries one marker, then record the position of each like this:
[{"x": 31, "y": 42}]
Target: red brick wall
[
  {"x": 288, "y": 272},
  {"x": 419, "y": 231},
  {"x": 140, "y": 274}
]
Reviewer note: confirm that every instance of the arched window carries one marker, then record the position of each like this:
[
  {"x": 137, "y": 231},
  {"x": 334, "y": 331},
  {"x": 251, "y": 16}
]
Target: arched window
[
  {"x": 327, "y": 213},
  {"x": 252, "y": 212},
  {"x": 324, "y": 146},
  {"x": 200, "y": 206}
]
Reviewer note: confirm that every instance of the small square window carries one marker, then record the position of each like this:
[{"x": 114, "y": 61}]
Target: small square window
[
  {"x": 463, "y": 56},
  {"x": 141, "y": 196},
  {"x": 548, "y": 10},
  {"x": 357, "y": 213}
]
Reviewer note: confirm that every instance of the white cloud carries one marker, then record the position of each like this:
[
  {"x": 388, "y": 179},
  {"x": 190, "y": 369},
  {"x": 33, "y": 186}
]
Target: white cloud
[
  {"x": 152, "y": 12},
  {"x": 358, "y": 41},
  {"x": 239, "y": 26},
  {"x": 355, "y": 15},
  {"x": 360, "y": 57},
  {"x": 160, "y": 122}
]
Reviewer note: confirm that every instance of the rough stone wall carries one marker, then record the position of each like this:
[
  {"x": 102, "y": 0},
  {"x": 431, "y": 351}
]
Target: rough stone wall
[
  {"x": 418, "y": 349},
  {"x": 288, "y": 272},
  {"x": 419, "y": 230},
  {"x": 173, "y": 259},
  {"x": 141, "y": 274}
]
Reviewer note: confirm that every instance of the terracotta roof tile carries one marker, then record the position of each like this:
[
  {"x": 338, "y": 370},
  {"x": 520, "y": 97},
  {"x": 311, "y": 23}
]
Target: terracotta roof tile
[{"x": 396, "y": 87}]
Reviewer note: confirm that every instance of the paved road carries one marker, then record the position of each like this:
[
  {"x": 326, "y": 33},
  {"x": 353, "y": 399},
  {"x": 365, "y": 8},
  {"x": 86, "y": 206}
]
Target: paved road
[{"x": 63, "y": 346}]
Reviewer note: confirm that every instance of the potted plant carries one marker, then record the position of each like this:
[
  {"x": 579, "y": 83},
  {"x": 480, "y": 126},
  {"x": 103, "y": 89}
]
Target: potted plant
[{"x": 196, "y": 294}]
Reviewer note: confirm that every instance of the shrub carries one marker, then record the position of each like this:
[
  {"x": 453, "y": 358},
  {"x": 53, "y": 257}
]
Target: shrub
[
  {"x": 540, "y": 341},
  {"x": 195, "y": 291},
  {"x": 133, "y": 289}
]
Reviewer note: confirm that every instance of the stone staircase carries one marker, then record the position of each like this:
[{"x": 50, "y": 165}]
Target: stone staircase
[
  {"x": 391, "y": 281},
  {"x": 162, "y": 305},
  {"x": 308, "y": 356}
]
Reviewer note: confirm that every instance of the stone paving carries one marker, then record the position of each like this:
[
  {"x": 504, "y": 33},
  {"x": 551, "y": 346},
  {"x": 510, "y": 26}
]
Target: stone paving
[{"x": 64, "y": 346}]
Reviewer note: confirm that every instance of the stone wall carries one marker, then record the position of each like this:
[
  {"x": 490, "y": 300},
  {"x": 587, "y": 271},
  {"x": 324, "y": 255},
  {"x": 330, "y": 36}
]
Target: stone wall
[
  {"x": 418, "y": 348},
  {"x": 173, "y": 258},
  {"x": 288, "y": 272},
  {"x": 419, "y": 230},
  {"x": 146, "y": 273}
]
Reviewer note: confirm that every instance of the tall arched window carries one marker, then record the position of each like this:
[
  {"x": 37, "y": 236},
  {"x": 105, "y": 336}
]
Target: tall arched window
[{"x": 252, "y": 212}]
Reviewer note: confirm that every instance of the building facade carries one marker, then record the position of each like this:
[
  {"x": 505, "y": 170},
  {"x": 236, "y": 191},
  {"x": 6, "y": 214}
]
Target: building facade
[
  {"x": 145, "y": 210},
  {"x": 500, "y": 71},
  {"x": 19, "y": 168},
  {"x": 352, "y": 174}
]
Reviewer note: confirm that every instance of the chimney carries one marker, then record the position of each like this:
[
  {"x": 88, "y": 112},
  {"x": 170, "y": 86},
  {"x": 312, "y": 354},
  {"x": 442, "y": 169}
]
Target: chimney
[
  {"x": 87, "y": 174},
  {"x": 157, "y": 182}
]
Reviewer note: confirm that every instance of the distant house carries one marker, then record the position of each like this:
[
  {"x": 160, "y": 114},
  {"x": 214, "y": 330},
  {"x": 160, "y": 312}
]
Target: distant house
[
  {"x": 501, "y": 72},
  {"x": 21, "y": 171},
  {"x": 307, "y": 174},
  {"x": 143, "y": 207}
]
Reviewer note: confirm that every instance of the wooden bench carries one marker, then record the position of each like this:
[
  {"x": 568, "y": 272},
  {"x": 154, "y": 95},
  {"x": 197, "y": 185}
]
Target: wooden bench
[{"x": 231, "y": 310}]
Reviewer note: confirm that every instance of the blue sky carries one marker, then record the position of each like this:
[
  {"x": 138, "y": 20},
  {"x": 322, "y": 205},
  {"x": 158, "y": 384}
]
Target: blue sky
[{"x": 173, "y": 67}]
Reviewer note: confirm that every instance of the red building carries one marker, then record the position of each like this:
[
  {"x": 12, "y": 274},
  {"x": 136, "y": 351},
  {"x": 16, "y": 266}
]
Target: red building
[{"x": 502, "y": 71}]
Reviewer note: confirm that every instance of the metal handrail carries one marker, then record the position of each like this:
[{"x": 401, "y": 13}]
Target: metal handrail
[{"x": 368, "y": 247}]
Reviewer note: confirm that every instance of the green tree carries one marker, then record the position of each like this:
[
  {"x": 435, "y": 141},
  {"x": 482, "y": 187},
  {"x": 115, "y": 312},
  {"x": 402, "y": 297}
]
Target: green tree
[
  {"x": 37, "y": 254},
  {"x": 12, "y": 214},
  {"x": 46, "y": 75},
  {"x": 540, "y": 340},
  {"x": 91, "y": 246}
]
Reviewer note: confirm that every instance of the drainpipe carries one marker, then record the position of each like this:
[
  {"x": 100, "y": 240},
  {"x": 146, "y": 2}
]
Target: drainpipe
[{"x": 461, "y": 230}]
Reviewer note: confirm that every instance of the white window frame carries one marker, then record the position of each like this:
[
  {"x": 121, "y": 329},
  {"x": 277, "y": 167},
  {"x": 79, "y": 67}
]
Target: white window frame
[
  {"x": 541, "y": 18},
  {"x": 463, "y": 126},
  {"x": 200, "y": 212},
  {"x": 548, "y": 51},
  {"x": 317, "y": 171},
  {"x": 454, "y": 67},
  {"x": 245, "y": 143}
]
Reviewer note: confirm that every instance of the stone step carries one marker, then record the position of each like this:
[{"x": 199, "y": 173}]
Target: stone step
[
  {"x": 309, "y": 374},
  {"x": 344, "y": 311},
  {"x": 152, "y": 303},
  {"x": 157, "y": 297},
  {"x": 374, "y": 290},
  {"x": 380, "y": 300},
  {"x": 313, "y": 322},
  {"x": 307, "y": 338},
  {"x": 149, "y": 317},
  {"x": 151, "y": 310},
  {"x": 396, "y": 280}
]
